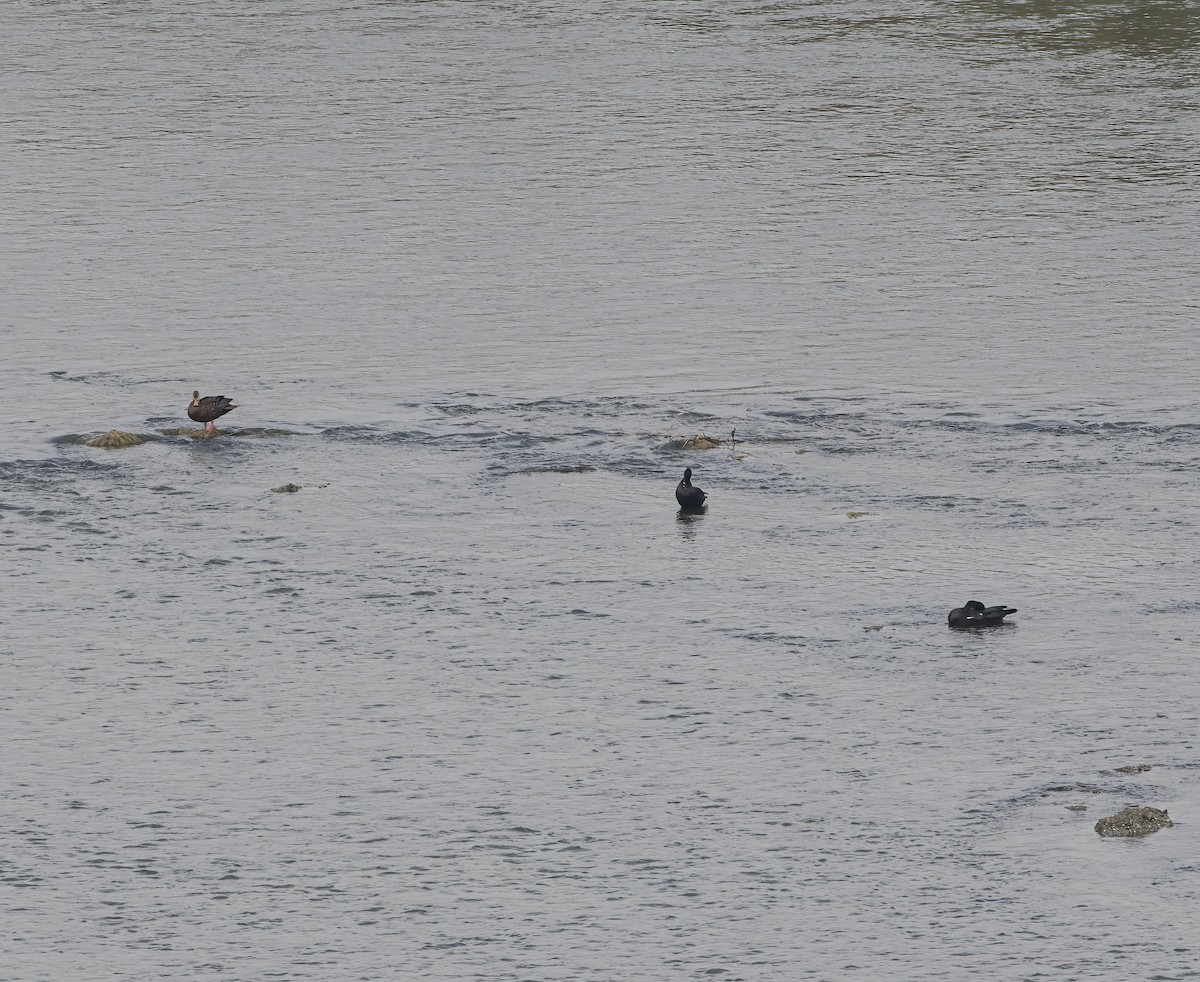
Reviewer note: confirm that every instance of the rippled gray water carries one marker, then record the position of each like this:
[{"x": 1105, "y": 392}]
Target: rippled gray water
[{"x": 477, "y": 703}]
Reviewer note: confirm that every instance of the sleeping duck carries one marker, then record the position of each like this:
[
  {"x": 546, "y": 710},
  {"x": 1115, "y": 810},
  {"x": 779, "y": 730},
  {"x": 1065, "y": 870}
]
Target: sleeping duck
[{"x": 975, "y": 614}]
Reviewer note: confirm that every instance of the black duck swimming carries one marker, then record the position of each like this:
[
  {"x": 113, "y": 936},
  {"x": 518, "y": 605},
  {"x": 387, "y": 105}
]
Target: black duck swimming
[
  {"x": 974, "y": 614},
  {"x": 208, "y": 409},
  {"x": 690, "y": 498}
]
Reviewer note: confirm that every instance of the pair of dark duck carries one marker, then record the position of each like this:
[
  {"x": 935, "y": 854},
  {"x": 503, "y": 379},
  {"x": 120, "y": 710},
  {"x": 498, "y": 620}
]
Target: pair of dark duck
[
  {"x": 209, "y": 409},
  {"x": 690, "y": 497},
  {"x": 974, "y": 614}
]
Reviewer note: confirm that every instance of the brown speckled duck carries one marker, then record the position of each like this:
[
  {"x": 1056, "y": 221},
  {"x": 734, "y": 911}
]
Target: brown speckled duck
[{"x": 208, "y": 409}]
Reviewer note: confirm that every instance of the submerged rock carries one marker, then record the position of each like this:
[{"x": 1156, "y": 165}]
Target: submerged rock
[
  {"x": 559, "y": 469},
  {"x": 115, "y": 440},
  {"x": 286, "y": 489},
  {"x": 189, "y": 431},
  {"x": 1134, "y": 822},
  {"x": 264, "y": 432},
  {"x": 1133, "y": 769}
]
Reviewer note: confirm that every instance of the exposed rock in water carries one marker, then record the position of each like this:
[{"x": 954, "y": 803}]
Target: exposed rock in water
[
  {"x": 1133, "y": 822},
  {"x": 859, "y": 514},
  {"x": 286, "y": 489},
  {"x": 115, "y": 440},
  {"x": 1076, "y": 808},
  {"x": 1133, "y": 769},
  {"x": 701, "y": 441}
]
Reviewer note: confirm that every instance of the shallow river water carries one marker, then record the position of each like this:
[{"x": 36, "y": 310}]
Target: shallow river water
[{"x": 477, "y": 702}]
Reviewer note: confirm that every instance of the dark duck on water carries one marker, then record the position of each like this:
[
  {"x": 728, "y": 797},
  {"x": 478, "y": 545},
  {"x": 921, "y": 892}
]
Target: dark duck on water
[
  {"x": 690, "y": 498},
  {"x": 208, "y": 409},
  {"x": 974, "y": 614}
]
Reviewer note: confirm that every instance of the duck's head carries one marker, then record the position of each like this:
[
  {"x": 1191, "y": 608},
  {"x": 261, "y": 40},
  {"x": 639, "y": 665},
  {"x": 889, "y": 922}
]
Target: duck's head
[
  {"x": 196, "y": 398},
  {"x": 687, "y": 475}
]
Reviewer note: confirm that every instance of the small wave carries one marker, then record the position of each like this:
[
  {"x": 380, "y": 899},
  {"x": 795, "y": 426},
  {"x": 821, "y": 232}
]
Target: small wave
[
  {"x": 45, "y": 472},
  {"x": 456, "y": 410},
  {"x": 1173, "y": 607},
  {"x": 374, "y": 435},
  {"x": 111, "y": 378},
  {"x": 87, "y": 377},
  {"x": 812, "y": 418},
  {"x": 557, "y": 469}
]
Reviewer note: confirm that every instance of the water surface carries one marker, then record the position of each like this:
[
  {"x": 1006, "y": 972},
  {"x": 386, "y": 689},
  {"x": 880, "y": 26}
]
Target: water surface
[{"x": 476, "y": 702}]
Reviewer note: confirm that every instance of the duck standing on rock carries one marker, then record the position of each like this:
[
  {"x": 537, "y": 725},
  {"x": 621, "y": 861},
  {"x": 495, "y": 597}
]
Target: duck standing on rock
[
  {"x": 974, "y": 614},
  {"x": 208, "y": 409},
  {"x": 690, "y": 498}
]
